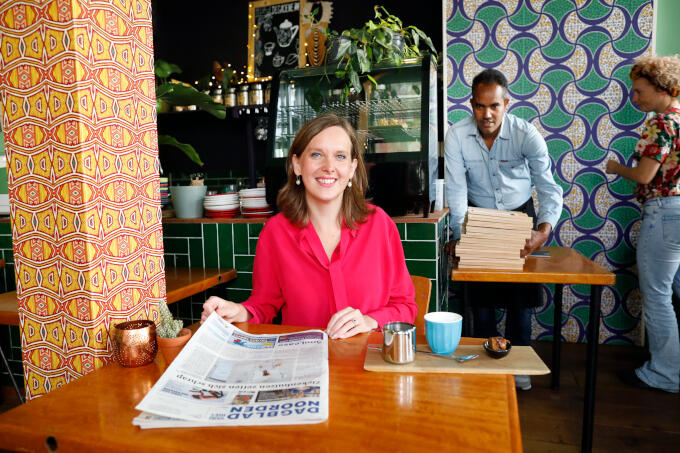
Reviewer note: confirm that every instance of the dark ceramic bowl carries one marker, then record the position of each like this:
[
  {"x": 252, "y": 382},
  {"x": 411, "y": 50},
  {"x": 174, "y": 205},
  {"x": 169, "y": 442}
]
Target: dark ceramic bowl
[{"x": 496, "y": 354}]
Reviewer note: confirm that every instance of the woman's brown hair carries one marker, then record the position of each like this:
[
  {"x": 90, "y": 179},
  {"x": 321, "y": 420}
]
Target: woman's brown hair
[
  {"x": 292, "y": 201},
  {"x": 662, "y": 72}
]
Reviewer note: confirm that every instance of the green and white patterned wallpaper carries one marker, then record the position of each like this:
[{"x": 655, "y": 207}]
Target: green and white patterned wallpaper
[{"x": 567, "y": 63}]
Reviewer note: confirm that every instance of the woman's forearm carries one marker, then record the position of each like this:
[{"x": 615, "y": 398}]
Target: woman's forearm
[{"x": 642, "y": 174}]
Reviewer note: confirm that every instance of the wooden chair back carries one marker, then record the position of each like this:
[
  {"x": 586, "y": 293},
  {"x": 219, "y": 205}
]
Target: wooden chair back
[{"x": 423, "y": 287}]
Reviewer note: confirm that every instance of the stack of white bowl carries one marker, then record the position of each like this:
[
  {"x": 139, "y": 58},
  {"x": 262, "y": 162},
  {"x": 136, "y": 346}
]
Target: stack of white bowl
[
  {"x": 254, "y": 203},
  {"x": 221, "y": 205}
]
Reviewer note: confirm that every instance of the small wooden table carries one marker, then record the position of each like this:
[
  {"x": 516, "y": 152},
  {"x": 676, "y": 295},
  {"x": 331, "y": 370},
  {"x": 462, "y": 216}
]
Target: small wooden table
[
  {"x": 180, "y": 283},
  {"x": 564, "y": 266},
  {"x": 183, "y": 282},
  {"x": 369, "y": 411}
]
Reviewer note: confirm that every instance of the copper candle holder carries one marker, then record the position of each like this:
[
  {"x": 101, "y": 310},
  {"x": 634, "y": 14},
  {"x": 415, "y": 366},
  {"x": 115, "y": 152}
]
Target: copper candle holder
[{"x": 134, "y": 343}]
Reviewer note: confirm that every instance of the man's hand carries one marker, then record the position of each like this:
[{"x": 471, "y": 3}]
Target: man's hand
[{"x": 538, "y": 238}]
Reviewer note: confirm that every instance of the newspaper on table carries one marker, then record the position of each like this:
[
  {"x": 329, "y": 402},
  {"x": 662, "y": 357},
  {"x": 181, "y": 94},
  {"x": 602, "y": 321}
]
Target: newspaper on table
[{"x": 227, "y": 377}]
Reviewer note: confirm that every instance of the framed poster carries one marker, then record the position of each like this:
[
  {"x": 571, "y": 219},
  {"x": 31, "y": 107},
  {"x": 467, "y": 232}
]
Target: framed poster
[{"x": 274, "y": 41}]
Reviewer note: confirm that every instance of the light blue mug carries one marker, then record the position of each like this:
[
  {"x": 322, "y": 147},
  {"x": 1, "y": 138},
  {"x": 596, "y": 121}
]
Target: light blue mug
[{"x": 443, "y": 329}]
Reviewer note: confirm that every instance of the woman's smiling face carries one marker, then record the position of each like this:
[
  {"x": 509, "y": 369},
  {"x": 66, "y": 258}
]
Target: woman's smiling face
[
  {"x": 649, "y": 98},
  {"x": 326, "y": 165}
]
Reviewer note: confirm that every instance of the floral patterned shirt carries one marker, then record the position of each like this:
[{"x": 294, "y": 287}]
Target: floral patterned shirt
[{"x": 660, "y": 141}]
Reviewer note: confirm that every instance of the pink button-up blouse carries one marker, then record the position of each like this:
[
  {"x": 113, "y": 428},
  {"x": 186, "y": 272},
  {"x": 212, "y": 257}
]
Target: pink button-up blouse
[{"x": 367, "y": 271}]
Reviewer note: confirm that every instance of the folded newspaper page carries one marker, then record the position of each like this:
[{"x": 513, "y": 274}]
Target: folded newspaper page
[{"x": 227, "y": 377}]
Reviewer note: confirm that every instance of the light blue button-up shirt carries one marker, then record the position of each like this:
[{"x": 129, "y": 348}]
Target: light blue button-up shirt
[{"x": 499, "y": 178}]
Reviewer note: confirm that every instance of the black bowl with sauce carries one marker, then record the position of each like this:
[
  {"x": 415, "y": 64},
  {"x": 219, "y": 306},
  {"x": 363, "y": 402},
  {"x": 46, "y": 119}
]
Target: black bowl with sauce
[{"x": 496, "y": 354}]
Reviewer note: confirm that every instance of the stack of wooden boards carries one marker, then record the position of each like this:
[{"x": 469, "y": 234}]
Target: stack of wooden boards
[{"x": 493, "y": 239}]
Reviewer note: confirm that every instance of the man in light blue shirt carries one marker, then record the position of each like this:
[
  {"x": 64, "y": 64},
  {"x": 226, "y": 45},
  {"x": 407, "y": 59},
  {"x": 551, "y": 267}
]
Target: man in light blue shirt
[{"x": 492, "y": 159}]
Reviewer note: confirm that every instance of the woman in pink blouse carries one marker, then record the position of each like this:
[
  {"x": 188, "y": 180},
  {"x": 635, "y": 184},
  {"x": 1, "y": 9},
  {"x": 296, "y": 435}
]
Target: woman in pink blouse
[
  {"x": 656, "y": 84},
  {"x": 328, "y": 260}
]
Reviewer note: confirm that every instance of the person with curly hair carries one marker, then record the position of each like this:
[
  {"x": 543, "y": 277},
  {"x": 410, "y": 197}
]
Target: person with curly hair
[{"x": 656, "y": 84}]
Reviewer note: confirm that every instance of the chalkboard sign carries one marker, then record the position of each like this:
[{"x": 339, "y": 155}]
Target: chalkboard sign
[{"x": 274, "y": 37}]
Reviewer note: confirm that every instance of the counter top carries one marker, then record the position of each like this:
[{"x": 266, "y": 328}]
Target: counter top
[{"x": 434, "y": 217}]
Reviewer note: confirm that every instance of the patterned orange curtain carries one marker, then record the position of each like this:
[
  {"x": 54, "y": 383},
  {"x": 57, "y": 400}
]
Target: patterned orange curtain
[{"x": 77, "y": 91}]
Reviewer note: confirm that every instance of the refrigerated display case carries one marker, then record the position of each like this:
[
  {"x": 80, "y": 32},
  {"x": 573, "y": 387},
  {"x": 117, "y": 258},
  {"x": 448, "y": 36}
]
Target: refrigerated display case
[{"x": 396, "y": 122}]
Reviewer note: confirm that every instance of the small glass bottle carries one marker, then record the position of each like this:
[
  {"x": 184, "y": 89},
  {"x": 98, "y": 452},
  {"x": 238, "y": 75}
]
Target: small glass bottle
[
  {"x": 256, "y": 95},
  {"x": 217, "y": 95},
  {"x": 243, "y": 95},
  {"x": 230, "y": 98}
]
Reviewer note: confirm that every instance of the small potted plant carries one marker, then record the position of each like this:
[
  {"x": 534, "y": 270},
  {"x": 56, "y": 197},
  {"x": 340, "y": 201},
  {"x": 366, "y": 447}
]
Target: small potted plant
[{"x": 171, "y": 336}]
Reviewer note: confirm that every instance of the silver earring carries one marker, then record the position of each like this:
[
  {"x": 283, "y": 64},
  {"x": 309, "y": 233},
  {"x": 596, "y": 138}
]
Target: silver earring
[
  {"x": 297, "y": 181},
  {"x": 349, "y": 184}
]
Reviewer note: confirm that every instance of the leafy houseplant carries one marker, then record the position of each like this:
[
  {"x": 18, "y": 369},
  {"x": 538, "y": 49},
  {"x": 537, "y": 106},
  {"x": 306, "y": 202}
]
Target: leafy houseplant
[
  {"x": 383, "y": 40},
  {"x": 177, "y": 93},
  {"x": 170, "y": 334}
]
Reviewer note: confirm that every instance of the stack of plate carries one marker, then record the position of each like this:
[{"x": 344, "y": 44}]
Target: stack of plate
[
  {"x": 221, "y": 206},
  {"x": 165, "y": 191},
  {"x": 254, "y": 203}
]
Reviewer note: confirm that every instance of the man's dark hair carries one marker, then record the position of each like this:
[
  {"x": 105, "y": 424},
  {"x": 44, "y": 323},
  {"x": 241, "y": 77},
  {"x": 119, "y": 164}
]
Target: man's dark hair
[{"x": 491, "y": 77}]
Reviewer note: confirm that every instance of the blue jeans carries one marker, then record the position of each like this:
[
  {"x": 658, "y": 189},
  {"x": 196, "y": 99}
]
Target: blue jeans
[{"x": 658, "y": 259}]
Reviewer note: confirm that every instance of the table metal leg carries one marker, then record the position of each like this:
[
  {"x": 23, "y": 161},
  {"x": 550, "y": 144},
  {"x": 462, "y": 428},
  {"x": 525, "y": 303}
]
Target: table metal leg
[
  {"x": 467, "y": 312},
  {"x": 591, "y": 369},
  {"x": 557, "y": 336}
]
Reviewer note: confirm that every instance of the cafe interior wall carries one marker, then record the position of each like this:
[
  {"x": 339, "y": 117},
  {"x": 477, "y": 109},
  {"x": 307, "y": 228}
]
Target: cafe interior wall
[
  {"x": 567, "y": 63},
  {"x": 77, "y": 89},
  {"x": 218, "y": 31},
  {"x": 193, "y": 41}
]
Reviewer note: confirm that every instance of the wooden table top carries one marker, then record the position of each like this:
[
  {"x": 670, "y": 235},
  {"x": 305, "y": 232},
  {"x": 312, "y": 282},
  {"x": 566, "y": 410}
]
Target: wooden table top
[
  {"x": 368, "y": 410},
  {"x": 183, "y": 282},
  {"x": 565, "y": 265},
  {"x": 8, "y": 309},
  {"x": 180, "y": 283}
]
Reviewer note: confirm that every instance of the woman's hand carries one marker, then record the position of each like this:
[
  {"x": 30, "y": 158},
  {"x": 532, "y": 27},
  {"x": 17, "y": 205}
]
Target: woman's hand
[
  {"x": 612, "y": 167},
  {"x": 642, "y": 174},
  {"x": 230, "y": 311},
  {"x": 349, "y": 322}
]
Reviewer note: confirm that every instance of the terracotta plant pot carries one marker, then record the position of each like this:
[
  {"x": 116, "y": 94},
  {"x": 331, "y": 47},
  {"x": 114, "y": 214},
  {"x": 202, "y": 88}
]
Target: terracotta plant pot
[{"x": 170, "y": 347}]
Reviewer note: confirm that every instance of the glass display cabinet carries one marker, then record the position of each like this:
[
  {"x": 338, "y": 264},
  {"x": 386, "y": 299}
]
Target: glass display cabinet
[{"x": 396, "y": 123}]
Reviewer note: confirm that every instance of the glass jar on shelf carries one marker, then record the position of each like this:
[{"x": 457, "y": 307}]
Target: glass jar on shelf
[
  {"x": 217, "y": 95},
  {"x": 256, "y": 95},
  {"x": 230, "y": 97},
  {"x": 242, "y": 95}
]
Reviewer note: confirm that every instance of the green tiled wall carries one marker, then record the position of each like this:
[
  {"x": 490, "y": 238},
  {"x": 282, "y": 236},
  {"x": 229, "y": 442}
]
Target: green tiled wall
[{"x": 227, "y": 245}]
